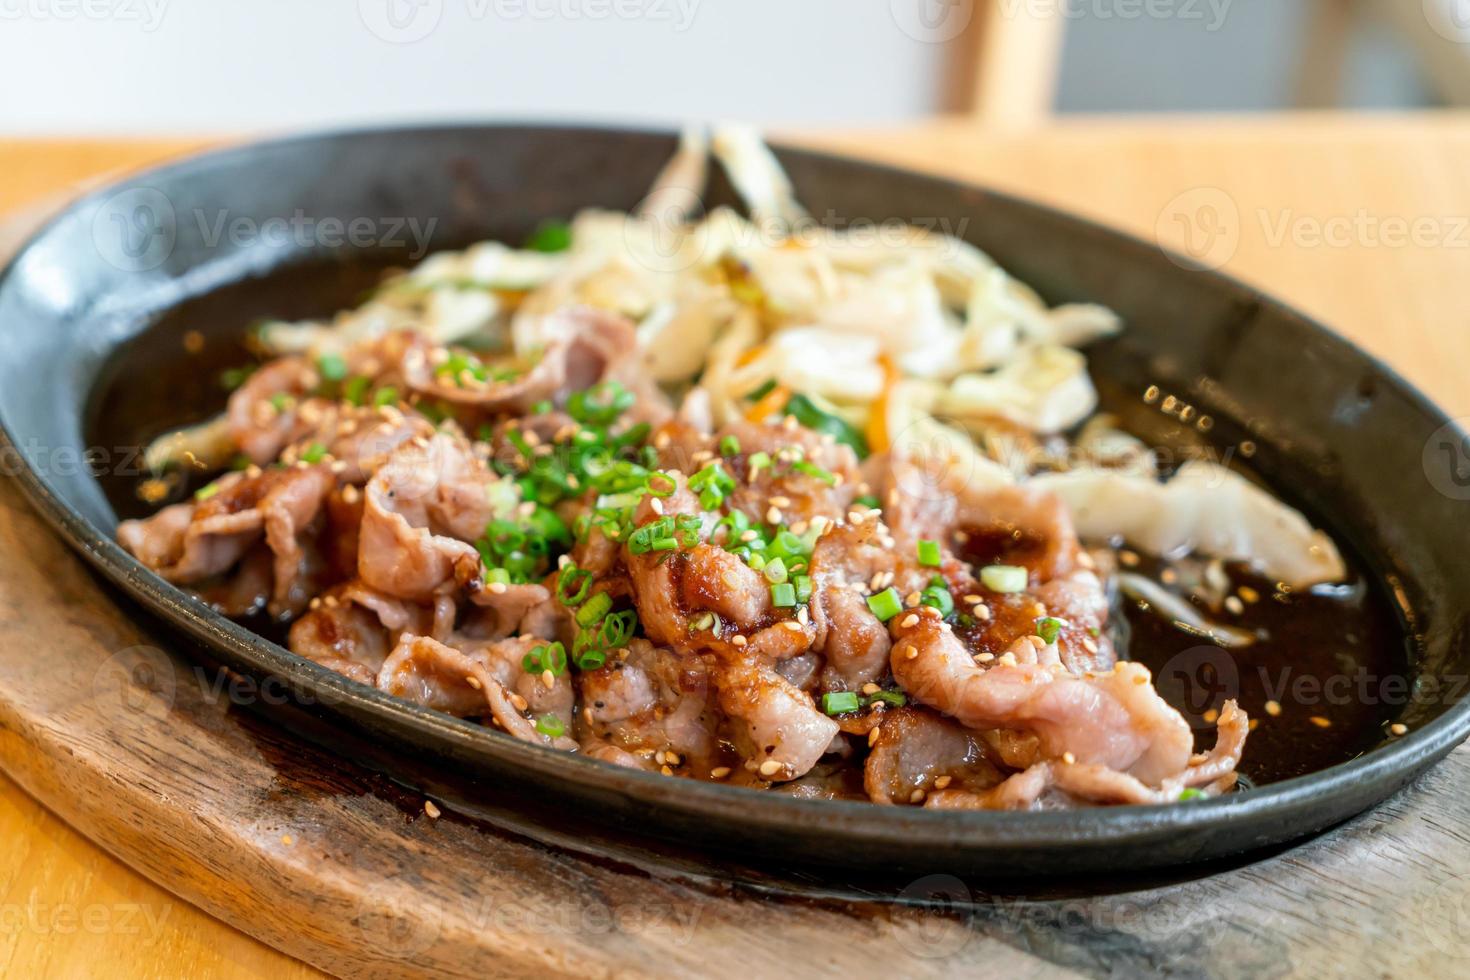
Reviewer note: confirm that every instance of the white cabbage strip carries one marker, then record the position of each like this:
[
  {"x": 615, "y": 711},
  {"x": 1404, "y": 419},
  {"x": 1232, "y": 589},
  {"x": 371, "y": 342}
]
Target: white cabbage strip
[{"x": 1206, "y": 509}]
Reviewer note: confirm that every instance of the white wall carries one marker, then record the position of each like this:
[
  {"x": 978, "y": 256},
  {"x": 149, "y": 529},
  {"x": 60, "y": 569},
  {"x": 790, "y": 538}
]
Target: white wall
[
  {"x": 199, "y": 66},
  {"x": 225, "y": 65}
]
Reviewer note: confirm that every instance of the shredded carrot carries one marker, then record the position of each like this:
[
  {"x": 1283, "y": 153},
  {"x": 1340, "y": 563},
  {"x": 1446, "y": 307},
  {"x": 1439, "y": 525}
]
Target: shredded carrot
[
  {"x": 749, "y": 356},
  {"x": 774, "y": 401},
  {"x": 877, "y": 428}
]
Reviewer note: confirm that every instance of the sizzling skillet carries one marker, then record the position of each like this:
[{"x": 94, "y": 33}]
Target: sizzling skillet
[{"x": 1334, "y": 429}]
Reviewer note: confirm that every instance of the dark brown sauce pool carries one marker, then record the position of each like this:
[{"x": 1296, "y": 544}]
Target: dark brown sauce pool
[{"x": 1335, "y": 660}]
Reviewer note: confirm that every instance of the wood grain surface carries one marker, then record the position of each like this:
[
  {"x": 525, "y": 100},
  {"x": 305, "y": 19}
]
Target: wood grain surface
[{"x": 141, "y": 756}]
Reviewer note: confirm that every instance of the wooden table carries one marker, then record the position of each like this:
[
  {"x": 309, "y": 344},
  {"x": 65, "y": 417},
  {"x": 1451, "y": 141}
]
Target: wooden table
[{"x": 1362, "y": 221}]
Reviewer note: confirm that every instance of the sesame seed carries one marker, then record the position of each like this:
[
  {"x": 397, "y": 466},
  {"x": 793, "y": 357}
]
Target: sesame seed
[
  {"x": 672, "y": 758},
  {"x": 548, "y": 679},
  {"x": 1398, "y": 729},
  {"x": 911, "y": 653},
  {"x": 1069, "y": 758},
  {"x": 1128, "y": 558},
  {"x": 1089, "y": 644},
  {"x": 666, "y": 770},
  {"x": 1273, "y": 708},
  {"x": 799, "y": 527},
  {"x": 873, "y": 735},
  {"x": 738, "y": 640},
  {"x": 499, "y": 588},
  {"x": 657, "y": 505},
  {"x": 792, "y": 625},
  {"x": 985, "y": 658},
  {"x": 1320, "y": 722},
  {"x": 770, "y": 767},
  {"x": 871, "y": 688},
  {"x": 473, "y": 681},
  {"x": 286, "y": 839},
  {"x": 1249, "y": 594},
  {"x": 773, "y": 516},
  {"x": 431, "y": 810},
  {"x": 517, "y": 701},
  {"x": 943, "y": 782},
  {"x": 1210, "y": 716},
  {"x": 917, "y": 796},
  {"x": 1234, "y": 605},
  {"x": 719, "y": 772},
  {"x": 910, "y": 620}
]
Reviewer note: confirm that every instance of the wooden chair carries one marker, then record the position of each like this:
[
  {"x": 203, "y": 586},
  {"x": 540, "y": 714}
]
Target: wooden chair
[
  {"x": 1444, "y": 60},
  {"x": 1003, "y": 68}
]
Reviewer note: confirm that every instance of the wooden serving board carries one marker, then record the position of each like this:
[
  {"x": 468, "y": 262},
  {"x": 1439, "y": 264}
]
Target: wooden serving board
[
  {"x": 317, "y": 844},
  {"x": 168, "y": 764}
]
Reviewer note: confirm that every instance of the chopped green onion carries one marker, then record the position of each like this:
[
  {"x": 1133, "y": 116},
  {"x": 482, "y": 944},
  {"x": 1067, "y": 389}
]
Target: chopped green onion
[
  {"x": 886, "y": 604},
  {"x": 573, "y": 584},
  {"x": 601, "y": 404},
  {"x": 1004, "y": 578},
  {"x": 232, "y": 378},
  {"x": 775, "y": 571},
  {"x": 757, "y": 462},
  {"x": 386, "y": 396},
  {"x": 1049, "y": 628},
  {"x": 1190, "y": 794},
  {"x": 756, "y": 394},
  {"x": 541, "y": 407},
  {"x": 839, "y": 702},
  {"x": 729, "y": 446},
  {"x": 712, "y": 484},
  {"x": 591, "y": 660},
  {"x": 617, "y": 629},
  {"x": 355, "y": 388},
  {"x": 207, "y": 491},
  {"x": 661, "y": 484},
  {"x": 497, "y": 575},
  {"x": 551, "y": 726},
  {"x": 812, "y": 469},
  {"x": 597, "y": 607},
  {"x": 803, "y": 585},
  {"x": 550, "y": 236},
  {"x": 783, "y": 596},
  {"x": 937, "y": 595},
  {"x": 868, "y": 502},
  {"x": 929, "y": 553},
  {"x": 814, "y": 417},
  {"x": 547, "y": 657},
  {"x": 314, "y": 453},
  {"x": 331, "y": 367},
  {"x": 895, "y": 698},
  {"x": 280, "y": 401}
]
